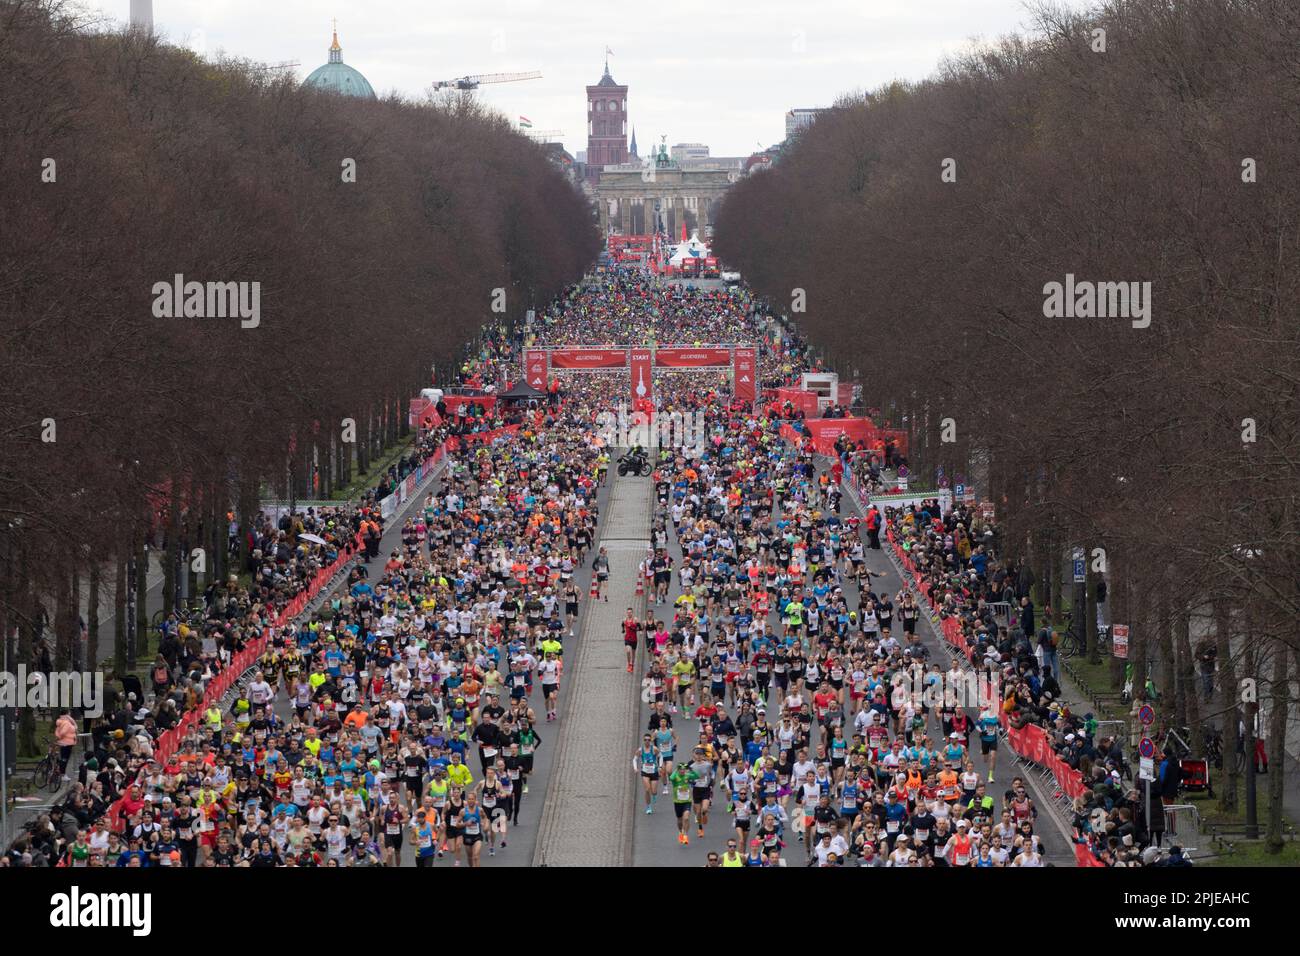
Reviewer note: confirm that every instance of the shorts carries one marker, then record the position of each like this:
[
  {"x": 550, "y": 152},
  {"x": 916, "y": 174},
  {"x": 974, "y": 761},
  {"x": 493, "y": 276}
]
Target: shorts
[
  {"x": 988, "y": 746},
  {"x": 700, "y": 794},
  {"x": 394, "y": 840},
  {"x": 472, "y": 838},
  {"x": 743, "y": 824},
  {"x": 650, "y": 774},
  {"x": 571, "y": 610},
  {"x": 681, "y": 809},
  {"x": 549, "y": 689}
]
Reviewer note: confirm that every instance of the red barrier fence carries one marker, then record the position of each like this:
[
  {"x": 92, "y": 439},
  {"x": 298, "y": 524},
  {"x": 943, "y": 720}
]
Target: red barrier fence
[
  {"x": 1029, "y": 741},
  {"x": 169, "y": 742}
]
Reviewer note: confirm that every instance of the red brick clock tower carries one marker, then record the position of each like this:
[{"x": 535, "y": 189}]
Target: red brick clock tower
[{"x": 606, "y": 124}]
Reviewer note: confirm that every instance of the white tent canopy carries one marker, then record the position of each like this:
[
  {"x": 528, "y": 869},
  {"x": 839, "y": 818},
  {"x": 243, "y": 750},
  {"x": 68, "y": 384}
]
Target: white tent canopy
[{"x": 692, "y": 248}]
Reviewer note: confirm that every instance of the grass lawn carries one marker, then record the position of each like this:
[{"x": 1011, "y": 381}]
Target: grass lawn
[{"x": 364, "y": 482}]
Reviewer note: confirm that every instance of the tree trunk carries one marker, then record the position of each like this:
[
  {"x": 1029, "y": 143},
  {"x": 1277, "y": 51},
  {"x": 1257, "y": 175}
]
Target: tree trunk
[
  {"x": 171, "y": 558},
  {"x": 141, "y": 600},
  {"x": 64, "y": 623},
  {"x": 248, "y": 507},
  {"x": 1168, "y": 698},
  {"x": 1054, "y": 595},
  {"x": 1228, "y": 692},
  {"x": 92, "y": 619},
  {"x": 1189, "y": 701},
  {"x": 26, "y": 730},
  {"x": 1116, "y": 600},
  {"x": 119, "y": 612},
  {"x": 1089, "y": 614},
  {"x": 1277, "y": 747}
]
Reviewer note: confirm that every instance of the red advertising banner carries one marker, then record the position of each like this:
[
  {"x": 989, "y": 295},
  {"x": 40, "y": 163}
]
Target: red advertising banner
[
  {"x": 825, "y": 431},
  {"x": 802, "y": 401},
  {"x": 454, "y": 402},
  {"x": 535, "y": 368},
  {"x": 642, "y": 377},
  {"x": 744, "y": 377},
  {"x": 418, "y": 405},
  {"x": 589, "y": 358},
  {"x": 673, "y": 356}
]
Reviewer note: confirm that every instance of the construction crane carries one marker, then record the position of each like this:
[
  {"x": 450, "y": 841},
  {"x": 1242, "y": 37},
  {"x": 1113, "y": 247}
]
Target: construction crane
[
  {"x": 275, "y": 67},
  {"x": 472, "y": 82}
]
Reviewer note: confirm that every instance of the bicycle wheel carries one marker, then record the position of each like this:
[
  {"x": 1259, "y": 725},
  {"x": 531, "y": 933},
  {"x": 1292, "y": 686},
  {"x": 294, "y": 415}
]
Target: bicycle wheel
[
  {"x": 55, "y": 781},
  {"x": 41, "y": 774}
]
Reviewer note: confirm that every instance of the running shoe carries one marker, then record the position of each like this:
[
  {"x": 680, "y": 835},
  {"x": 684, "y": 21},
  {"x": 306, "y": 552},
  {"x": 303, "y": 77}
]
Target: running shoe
[
  {"x": 492, "y": 851},
  {"x": 686, "y": 841},
  {"x": 699, "y": 831},
  {"x": 649, "y": 808}
]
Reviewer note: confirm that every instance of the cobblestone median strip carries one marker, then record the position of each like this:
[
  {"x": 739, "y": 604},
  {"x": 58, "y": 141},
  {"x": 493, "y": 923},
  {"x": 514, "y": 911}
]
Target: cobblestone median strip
[{"x": 588, "y": 812}]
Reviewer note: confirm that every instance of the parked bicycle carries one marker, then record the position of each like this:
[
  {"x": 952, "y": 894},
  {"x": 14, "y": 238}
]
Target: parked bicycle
[{"x": 48, "y": 774}]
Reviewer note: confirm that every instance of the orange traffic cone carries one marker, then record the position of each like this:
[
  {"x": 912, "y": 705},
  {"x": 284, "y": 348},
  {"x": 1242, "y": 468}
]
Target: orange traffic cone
[
  {"x": 640, "y": 585},
  {"x": 595, "y": 587}
]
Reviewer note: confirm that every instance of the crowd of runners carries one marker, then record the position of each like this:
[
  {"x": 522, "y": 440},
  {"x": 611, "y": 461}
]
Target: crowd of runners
[{"x": 785, "y": 679}]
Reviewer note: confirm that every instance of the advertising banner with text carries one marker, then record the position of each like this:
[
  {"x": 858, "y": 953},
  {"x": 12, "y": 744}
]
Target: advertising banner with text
[
  {"x": 642, "y": 377},
  {"x": 745, "y": 375},
  {"x": 535, "y": 368},
  {"x": 589, "y": 358},
  {"x": 683, "y": 357}
]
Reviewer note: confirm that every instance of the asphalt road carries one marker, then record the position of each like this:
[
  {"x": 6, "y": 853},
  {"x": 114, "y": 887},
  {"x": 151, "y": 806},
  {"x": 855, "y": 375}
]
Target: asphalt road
[
  {"x": 655, "y": 836},
  {"x": 521, "y": 840}
]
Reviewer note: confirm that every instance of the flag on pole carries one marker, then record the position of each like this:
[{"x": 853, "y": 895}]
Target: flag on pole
[
  {"x": 608, "y": 52},
  {"x": 525, "y": 123}
]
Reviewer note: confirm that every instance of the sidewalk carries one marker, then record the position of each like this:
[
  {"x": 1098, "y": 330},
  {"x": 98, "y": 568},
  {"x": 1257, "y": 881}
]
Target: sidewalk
[{"x": 587, "y": 820}]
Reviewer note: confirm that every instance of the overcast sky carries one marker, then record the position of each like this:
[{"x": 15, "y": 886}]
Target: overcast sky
[{"x": 721, "y": 73}]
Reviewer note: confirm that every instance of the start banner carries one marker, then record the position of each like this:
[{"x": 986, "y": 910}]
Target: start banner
[
  {"x": 589, "y": 358},
  {"x": 642, "y": 377},
  {"x": 679, "y": 357}
]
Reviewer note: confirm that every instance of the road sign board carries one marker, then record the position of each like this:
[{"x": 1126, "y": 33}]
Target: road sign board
[
  {"x": 960, "y": 490},
  {"x": 1147, "y": 747},
  {"x": 1146, "y": 715},
  {"x": 1146, "y": 769},
  {"x": 1080, "y": 575}
]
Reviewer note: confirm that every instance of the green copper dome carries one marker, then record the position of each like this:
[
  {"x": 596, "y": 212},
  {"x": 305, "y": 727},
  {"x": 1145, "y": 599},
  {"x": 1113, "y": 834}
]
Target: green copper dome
[{"x": 337, "y": 77}]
